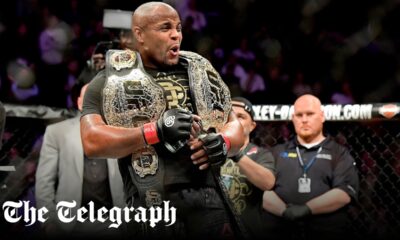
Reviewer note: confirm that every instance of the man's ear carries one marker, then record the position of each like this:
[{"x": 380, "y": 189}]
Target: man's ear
[
  {"x": 253, "y": 126},
  {"x": 137, "y": 34},
  {"x": 323, "y": 116}
]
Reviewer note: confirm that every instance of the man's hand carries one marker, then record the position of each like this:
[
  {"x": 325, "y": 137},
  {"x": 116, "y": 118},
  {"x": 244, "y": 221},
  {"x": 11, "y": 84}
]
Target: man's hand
[
  {"x": 197, "y": 128},
  {"x": 173, "y": 126},
  {"x": 216, "y": 147},
  {"x": 208, "y": 149},
  {"x": 294, "y": 212}
]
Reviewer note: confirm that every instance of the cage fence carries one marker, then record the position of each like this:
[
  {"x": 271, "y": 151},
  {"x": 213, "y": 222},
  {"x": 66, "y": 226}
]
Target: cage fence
[{"x": 374, "y": 144}]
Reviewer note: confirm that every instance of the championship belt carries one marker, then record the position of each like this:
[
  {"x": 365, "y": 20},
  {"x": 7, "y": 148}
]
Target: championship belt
[
  {"x": 210, "y": 94},
  {"x": 131, "y": 98},
  {"x": 212, "y": 100}
]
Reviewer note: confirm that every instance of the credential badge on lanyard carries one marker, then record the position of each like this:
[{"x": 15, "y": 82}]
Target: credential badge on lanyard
[{"x": 304, "y": 182}]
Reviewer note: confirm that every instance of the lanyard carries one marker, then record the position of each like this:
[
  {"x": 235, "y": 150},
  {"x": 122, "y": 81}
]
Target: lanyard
[{"x": 306, "y": 167}]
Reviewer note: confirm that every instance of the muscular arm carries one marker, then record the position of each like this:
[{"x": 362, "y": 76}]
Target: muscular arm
[
  {"x": 329, "y": 201},
  {"x": 260, "y": 176},
  {"x": 325, "y": 203},
  {"x": 101, "y": 140},
  {"x": 273, "y": 203},
  {"x": 234, "y": 131},
  {"x": 345, "y": 186},
  {"x": 98, "y": 138}
]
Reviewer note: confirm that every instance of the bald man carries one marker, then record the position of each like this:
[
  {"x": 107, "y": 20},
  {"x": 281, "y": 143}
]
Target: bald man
[
  {"x": 316, "y": 179},
  {"x": 166, "y": 114}
]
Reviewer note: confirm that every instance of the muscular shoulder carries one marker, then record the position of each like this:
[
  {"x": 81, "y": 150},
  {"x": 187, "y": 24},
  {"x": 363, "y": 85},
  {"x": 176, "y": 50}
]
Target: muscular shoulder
[
  {"x": 92, "y": 101},
  {"x": 98, "y": 81}
]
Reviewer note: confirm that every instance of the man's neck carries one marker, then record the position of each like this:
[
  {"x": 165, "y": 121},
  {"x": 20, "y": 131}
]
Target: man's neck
[
  {"x": 312, "y": 141},
  {"x": 246, "y": 142}
]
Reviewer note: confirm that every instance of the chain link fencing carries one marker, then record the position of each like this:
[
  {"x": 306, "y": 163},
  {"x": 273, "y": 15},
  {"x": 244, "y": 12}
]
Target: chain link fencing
[{"x": 375, "y": 146}]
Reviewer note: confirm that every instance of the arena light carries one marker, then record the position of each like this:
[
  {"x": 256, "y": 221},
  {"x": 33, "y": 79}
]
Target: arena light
[{"x": 119, "y": 19}]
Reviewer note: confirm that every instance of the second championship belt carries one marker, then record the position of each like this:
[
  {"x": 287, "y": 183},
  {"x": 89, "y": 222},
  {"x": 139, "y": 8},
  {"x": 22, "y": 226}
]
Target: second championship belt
[
  {"x": 210, "y": 94},
  {"x": 212, "y": 100}
]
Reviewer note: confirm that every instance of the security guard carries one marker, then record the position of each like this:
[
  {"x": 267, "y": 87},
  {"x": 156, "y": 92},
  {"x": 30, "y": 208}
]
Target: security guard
[{"x": 315, "y": 180}]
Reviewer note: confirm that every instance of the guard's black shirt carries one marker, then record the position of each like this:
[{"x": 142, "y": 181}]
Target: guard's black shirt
[
  {"x": 246, "y": 197},
  {"x": 333, "y": 167}
]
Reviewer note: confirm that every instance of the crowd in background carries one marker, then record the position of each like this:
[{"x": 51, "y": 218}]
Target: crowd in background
[{"x": 269, "y": 52}]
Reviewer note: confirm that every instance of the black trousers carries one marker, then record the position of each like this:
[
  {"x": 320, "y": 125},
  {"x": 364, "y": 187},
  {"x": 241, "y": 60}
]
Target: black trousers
[
  {"x": 201, "y": 214},
  {"x": 327, "y": 227}
]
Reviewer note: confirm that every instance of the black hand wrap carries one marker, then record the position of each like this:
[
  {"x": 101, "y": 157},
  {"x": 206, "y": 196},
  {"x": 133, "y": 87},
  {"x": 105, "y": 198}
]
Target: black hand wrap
[
  {"x": 238, "y": 156},
  {"x": 294, "y": 212},
  {"x": 174, "y": 128},
  {"x": 216, "y": 148}
]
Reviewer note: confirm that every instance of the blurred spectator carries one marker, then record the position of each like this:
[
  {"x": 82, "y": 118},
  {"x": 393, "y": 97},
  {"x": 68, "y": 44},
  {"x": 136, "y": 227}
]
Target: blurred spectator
[
  {"x": 79, "y": 43},
  {"x": 55, "y": 38},
  {"x": 218, "y": 54},
  {"x": 232, "y": 81},
  {"x": 299, "y": 86},
  {"x": 199, "y": 21},
  {"x": 23, "y": 88},
  {"x": 54, "y": 43},
  {"x": 74, "y": 12},
  {"x": 276, "y": 80},
  {"x": 241, "y": 13},
  {"x": 96, "y": 61},
  {"x": 342, "y": 94},
  {"x": 25, "y": 37},
  {"x": 244, "y": 53},
  {"x": 253, "y": 82},
  {"x": 93, "y": 66},
  {"x": 238, "y": 71},
  {"x": 269, "y": 46},
  {"x": 125, "y": 39},
  {"x": 191, "y": 35},
  {"x": 73, "y": 73}
]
